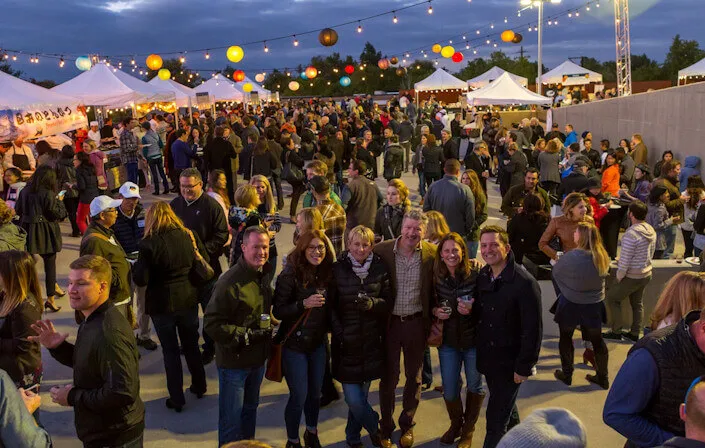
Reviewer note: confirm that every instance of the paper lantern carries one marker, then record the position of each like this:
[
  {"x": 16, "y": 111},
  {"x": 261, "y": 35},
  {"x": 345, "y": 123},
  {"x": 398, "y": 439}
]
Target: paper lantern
[
  {"x": 383, "y": 64},
  {"x": 345, "y": 81},
  {"x": 507, "y": 36},
  {"x": 328, "y": 37},
  {"x": 457, "y": 57},
  {"x": 293, "y": 86},
  {"x": 349, "y": 69},
  {"x": 247, "y": 87},
  {"x": 164, "y": 74},
  {"x": 303, "y": 75},
  {"x": 235, "y": 53},
  {"x": 154, "y": 62},
  {"x": 239, "y": 75},
  {"x": 311, "y": 72},
  {"x": 259, "y": 77},
  {"x": 401, "y": 71},
  {"x": 394, "y": 60},
  {"x": 517, "y": 38},
  {"x": 447, "y": 51},
  {"x": 436, "y": 48},
  {"x": 83, "y": 63}
]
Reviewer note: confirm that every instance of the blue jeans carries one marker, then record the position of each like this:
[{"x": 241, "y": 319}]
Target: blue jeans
[
  {"x": 360, "y": 412},
  {"x": 473, "y": 246},
  {"x": 237, "y": 403},
  {"x": 304, "y": 376},
  {"x": 131, "y": 168},
  {"x": 452, "y": 360},
  {"x": 422, "y": 184},
  {"x": 18, "y": 426},
  {"x": 670, "y": 234}
]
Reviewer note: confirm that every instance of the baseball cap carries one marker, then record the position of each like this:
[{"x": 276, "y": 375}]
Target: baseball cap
[
  {"x": 319, "y": 184},
  {"x": 130, "y": 190},
  {"x": 102, "y": 203}
]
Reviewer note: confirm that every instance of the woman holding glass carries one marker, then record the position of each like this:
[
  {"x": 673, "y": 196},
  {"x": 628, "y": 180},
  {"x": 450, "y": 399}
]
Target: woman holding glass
[
  {"x": 300, "y": 304},
  {"x": 455, "y": 287}
]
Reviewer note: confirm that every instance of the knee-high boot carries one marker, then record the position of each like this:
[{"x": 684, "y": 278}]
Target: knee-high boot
[
  {"x": 473, "y": 406},
  {"x": 455, "y": 412}
]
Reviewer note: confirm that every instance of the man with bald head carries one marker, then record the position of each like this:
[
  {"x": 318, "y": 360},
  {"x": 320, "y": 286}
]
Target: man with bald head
[{"x": 692, "y": 412}]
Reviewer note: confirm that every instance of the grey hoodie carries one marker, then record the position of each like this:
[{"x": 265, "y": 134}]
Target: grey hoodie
[
  {"x": 12, "y": 237},
  {"x": 578, "y": 278},
  {"x": 638, "y": 245}
]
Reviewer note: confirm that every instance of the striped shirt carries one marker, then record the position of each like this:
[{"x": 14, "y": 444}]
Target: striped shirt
[{"x": 334, "y": 222}]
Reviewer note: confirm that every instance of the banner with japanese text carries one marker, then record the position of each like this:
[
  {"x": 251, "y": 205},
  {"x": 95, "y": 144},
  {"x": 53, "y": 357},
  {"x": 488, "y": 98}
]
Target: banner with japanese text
[{"x": 41, "y": 121}]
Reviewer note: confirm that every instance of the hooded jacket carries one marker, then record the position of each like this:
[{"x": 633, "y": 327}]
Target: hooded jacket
[
  {"x": 691, "y": 167},
  {"x": 638, "y": 244},
  {"x": 12, "y": 237}
]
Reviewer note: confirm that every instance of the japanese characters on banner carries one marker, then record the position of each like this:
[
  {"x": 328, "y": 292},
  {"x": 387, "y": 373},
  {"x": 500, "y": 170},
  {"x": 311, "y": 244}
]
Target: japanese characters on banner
[{"x": 39, "y": 122}]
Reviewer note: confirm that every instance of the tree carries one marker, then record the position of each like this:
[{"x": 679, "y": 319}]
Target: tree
[
  {"x": 7, "y": 68},
  {"x": 682, "y": 54},
  {"x": 370, "y": 55},
  {"x": 46, "y": 83}
]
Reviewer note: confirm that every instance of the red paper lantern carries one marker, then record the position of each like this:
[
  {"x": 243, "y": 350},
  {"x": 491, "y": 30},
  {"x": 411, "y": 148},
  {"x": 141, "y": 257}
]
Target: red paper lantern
[
  {"x": 239, "y": 75},
  {"x": 457, "y": 56},
  {"x": 383, "y": 64},
  {"x": 349, "y": 69}
]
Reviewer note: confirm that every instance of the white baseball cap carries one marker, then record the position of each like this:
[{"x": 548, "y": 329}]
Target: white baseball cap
[
  {"x": 102, "y": 203},
  {"x": 129, "y": 190}
]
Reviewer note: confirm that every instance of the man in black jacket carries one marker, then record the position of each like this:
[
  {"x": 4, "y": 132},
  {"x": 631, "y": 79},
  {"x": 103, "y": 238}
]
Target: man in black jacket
[
  {"x": 218, "y": 155},
  {"x": 450, "y": 146},
  {"x": 106, "y": 383},
  {"x": 577, "y": 180},
  {"x": 204, "y": 216},
  {"x": 273, "y": 136},
  {"x": 509, "y": 329}
]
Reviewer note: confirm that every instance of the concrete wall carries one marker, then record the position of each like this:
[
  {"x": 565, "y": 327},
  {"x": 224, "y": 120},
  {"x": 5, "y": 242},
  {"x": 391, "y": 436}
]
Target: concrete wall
[{"x": 667, "y": 119}]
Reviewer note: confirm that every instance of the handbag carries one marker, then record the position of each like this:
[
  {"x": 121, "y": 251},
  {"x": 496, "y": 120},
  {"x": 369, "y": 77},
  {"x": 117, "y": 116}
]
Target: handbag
[
  {"x": 292, "y": 173},
  {"x": 274, "y": 370},
  {"x": 435, "y": 336},
  {"x": 201, "y": 271}
]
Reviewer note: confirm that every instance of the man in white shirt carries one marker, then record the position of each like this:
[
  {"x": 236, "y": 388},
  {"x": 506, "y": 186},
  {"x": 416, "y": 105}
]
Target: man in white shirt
[
  {"x": 94, "y": 133},
  {"x": 20, "y": 156}
]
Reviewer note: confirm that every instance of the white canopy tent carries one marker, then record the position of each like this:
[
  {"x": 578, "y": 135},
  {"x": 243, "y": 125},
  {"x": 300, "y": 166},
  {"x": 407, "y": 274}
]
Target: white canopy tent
[
  {"x": 695, "y": 70},
  {"x": 105, "y": 86},
  {"x": 505, "y": 91},
  {"x": 440, "y": 80},
  {"x": 492, "y": 74},
  {"x": 220, "y": 90},
  {"x": 570, "y": 74},
  {"x": 184, "y": 96}
]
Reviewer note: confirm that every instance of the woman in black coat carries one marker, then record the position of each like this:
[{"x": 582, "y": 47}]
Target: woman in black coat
[
  {"x": 167, "y": 256},
  {"x": 358, "y": 295},
  {"x": 40, "y": 209},
  {"x": 432, "y": 159},
  {"x": 87, "y": 185},
  {"x": 300, "y": 304},
  {"x": 525, "y": 230},
  {"x": 67, "y": 181},
  {"x": 390, "y": 215},
  {"x": 263, "y": 161}
]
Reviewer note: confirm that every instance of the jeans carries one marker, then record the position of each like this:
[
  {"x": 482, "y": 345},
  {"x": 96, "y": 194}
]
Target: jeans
[
  {"x": 156, "y": 166},
  {"x": 473, "y": 246},
  {"x": 670, "y": 234},
  {"x": 238, "y": 399},
  {"x": 17, "y": 427},
  {"x": 632, "y": 288},
  {"x": 304, "y": 376},
  {"x": 501, "y": 406},
  {"x": 360, "y": 412},
  {"x": 166, "y": 327},
  {"x": 452, "y": 360},
  {"x": 427, "y": 372},
  {"x": 422, "y": 184},
  {"x": 131, "y": 168}
]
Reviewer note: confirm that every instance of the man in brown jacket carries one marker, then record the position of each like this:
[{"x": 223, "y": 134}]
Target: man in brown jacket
[
  {"x": 363, "y": 198},
  {"x": 670, "y": 171},
  {"x": 640, "y": 153},
  {"x": 410, "y": 262}
]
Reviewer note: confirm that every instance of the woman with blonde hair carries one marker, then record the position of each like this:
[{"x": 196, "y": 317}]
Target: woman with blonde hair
[
  {"x": 167, "y": 256},
  {"x": 390, "y": 215},
  {"x": 580, "y": 276},
  {"x": 12, "y": 237},
  {"x": 269, "y": 216},
  {"x": 558, "y": 236},
  {"x": 548, "y": 163},
  {"x": 472, "y": 180},
  {"x": 683, "y": 293},
  {"x": 242, "y": 216},
  {"x": 437, "y": 227}
]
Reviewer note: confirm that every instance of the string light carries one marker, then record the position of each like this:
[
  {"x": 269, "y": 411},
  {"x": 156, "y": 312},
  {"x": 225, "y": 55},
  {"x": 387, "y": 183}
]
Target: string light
[
  {"x": 430, "y": 7},
  {"x": 395, "y": 20},
  {"x": 577, "y": 13},
  {"x": 132, "y": 61},
  {"x": 266, "y": 49},
  {"x": 208, "y": 55},
  {"x": 182, "y": 59},
  {"x": 492, "y": 26},
  {"x": 477, "y": 32},
  {"x": 597, "y": 5},
  {"x": 587, "y": 8},
  {"x": 296, "y": 41},
  {"x": 61, "y": 62},
  {"x": 14, "y": 57},
  {"x": 359, "y": 27},
  {"x": 505, "y": 20}
]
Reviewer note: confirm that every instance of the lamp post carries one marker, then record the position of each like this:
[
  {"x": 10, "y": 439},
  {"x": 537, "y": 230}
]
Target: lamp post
[{"x": 539, "y": 5}]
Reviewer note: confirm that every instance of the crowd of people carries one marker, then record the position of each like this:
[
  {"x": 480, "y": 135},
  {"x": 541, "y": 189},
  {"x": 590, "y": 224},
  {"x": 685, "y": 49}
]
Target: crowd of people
[{"x": 372, "y": 274}]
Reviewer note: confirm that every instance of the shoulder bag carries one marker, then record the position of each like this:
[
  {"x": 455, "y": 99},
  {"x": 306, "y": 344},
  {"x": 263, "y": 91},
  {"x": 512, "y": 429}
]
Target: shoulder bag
[
  {"x": 292, "y": 173},
  {"x": 274, "y": 370}
]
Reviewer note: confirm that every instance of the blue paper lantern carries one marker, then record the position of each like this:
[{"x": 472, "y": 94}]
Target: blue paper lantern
[
  {"x": 303, "y": 75},
  {"x": 345, "y": 81},
  {"x": 83, "y": 63}
]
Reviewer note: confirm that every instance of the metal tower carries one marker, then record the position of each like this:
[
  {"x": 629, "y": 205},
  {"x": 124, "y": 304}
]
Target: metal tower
[{"x": 624, "y": 50}]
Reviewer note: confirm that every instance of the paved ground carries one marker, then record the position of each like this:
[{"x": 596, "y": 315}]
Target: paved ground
[{"x": 196, "y": 426}]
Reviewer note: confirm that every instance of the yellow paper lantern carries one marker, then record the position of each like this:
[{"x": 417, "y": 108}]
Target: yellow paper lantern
[
  {"x": 436, "y": 48},
  {"x": 247, "y": 87},
  {"x": 154, "y": 62},
  {"x": 447, "y": 51},
  {"x": 164, "y": 74},
  {"x": 507, "y": 36},
  {"x": 293, "y": 86},
  {"x": 235, "y": 53}
]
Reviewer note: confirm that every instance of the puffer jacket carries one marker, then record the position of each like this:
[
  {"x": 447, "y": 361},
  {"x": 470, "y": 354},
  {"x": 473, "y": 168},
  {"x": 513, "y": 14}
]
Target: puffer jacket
[
  {"x": 289, "y": 296},
  {"x": 357, "y": 349},
  {"x": 388, "y": 221},
  {"x": 458, "y": 331}
]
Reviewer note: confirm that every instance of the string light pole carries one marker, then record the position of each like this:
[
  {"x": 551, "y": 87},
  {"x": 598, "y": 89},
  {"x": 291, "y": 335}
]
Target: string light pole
[{"x": 539, "y": 5}]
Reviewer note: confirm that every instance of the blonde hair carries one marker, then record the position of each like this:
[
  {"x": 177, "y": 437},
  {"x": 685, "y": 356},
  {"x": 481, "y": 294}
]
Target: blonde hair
[
  {"x": 312, "y": 218},
  {"x": 437, "y": 226},
  {"x": 6, "y": 213},
  {"x": 160, "y": 218},
  {"x": 403, "y": 191},
  {"x": 91, "y": 144},
  {"x": 362, "y": 233},
  {"x": 20, "y": 281},
  {"x": 683, "y": 293},
  {"x": 591, "y": 241},
  {"x": 246, "y": 196},
  {"x": 268, "y": 196}
]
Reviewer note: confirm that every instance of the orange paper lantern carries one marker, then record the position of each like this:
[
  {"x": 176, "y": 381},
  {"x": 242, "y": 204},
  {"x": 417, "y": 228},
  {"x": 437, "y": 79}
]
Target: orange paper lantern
[
  {"x": 436, "y": 48},
  {"x": 239, "y": 75},
  {"x": 507, "y": 36},
  {"x": 311, "y": 72},
  {"x": 154, "y": 62},
  {"x": 383, "y": 64}
]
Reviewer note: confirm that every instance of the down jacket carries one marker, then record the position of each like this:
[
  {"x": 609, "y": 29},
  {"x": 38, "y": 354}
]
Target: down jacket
[
  {"x": 358, "y": 348},
  {"x": 458, "y": 330}
]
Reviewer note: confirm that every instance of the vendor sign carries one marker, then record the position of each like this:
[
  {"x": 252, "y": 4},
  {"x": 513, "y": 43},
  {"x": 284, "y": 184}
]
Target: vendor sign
[{"x": 39, "y": 122}]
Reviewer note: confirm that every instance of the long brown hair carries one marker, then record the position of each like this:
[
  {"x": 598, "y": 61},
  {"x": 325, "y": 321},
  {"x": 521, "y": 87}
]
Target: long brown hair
[
  {"x": 683, "y": 293},
  {"x": 477, "y": 191},
  {"x": 440, "y": 270},
  {"x": 303, "y": 270},
  {"x": 161, "y": 218},
  {"x": 213, "y": 182},
  {"x": 20, "y": 281},
  {"x": 591, "y": 241}
]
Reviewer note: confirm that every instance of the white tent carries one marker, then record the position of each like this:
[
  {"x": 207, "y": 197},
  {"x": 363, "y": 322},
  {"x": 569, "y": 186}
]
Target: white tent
[
  {"x": 697, "y": 69},
  {"x": 220, "y": 89},
  {"x": 105, "y": 86},
  {"x": 504, "y": 91},
  {"x": 182, "y": 93},
  {"x": 440, "y": 80},
  {"x": 18, "y": 94},
  {"x": 492, "y": 74},
  {"x": 263, "y": 93},
  {"x": 570, "y": 74}
]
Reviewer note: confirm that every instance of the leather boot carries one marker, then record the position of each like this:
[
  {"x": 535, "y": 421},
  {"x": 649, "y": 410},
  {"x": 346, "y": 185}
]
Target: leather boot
[
  {"x": 455, "y": 412},
  {"x": 473, "y": 406}
]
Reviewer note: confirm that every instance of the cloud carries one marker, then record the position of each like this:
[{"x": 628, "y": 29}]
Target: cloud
[{"x": 122, "y": 5}]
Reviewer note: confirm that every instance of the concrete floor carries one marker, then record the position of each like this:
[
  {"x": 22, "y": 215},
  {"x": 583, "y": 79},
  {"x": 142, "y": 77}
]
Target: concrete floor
[{"x": 196, "y": 426}]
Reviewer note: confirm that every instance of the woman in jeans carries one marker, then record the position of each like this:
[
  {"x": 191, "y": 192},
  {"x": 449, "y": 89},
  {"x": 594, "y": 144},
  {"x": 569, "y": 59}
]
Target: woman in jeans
[
  {"x": 580, "y": 275},
  {"x": 300, "y": 304},
  {"x": 455, "y": 291},
  {"x": 166, "y": 257},
  {"x": 358, "y": 296}
]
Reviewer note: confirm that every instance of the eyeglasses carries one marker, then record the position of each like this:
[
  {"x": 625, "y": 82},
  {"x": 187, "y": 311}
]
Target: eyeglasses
[
  {"x": 190, "y": 187},
  {"x": 320, "y": 249}
]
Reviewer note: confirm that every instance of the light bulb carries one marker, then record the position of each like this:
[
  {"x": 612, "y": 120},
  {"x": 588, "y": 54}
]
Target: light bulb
[
  {"x": 208, "y": 55},
  {"x": 587, "y": 8},
  {"x": 505, "y": 20},
  {"x": 359, "y": 28},
  {"x": 296, "y": 42},
  {"x": 266, "y": 49},
  {"x": 577, "y": 14},
  {"x": 597, "y": 5},
  {"x": 467, "y": 46},
  {"x": 61, "y": 62},
  {"x": 430, "y": 8},
  {"x": 491, "y": 25},
  {"x": 395, "y": 20},
  {"x": 477, "y": 32},
  {"x": 132, "y": 62},
  {"x": 182, "y": 59}
]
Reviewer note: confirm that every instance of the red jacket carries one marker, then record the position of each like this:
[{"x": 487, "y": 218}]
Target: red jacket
[{"x": 598, "y": 211}]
